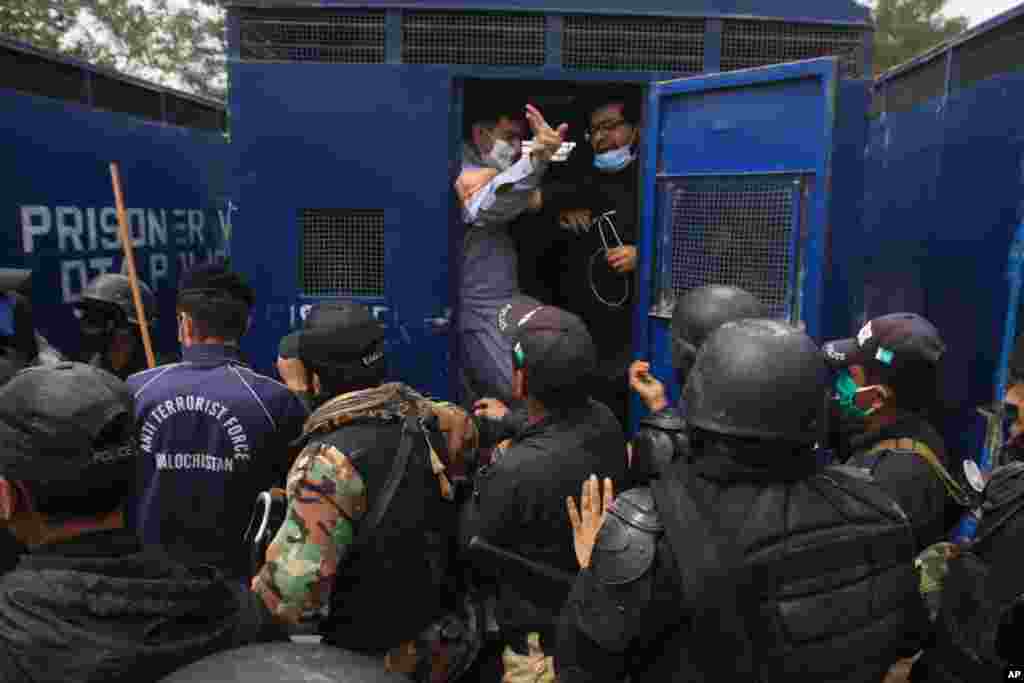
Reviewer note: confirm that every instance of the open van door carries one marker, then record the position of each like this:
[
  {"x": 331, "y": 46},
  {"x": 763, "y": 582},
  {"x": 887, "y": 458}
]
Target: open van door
[{"x": 736, "y": 190}]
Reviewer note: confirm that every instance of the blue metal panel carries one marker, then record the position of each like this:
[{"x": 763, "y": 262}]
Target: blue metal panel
[
  {"x": 842, "y": 312},
  {"x": 767, "y": 127},
  {"x": 55, "y": 188},
  {"x": 831, "y": 11},
  {"x": 304, "y": 144},
  {"x": 944, "y": 196},
  {"x": 731, "y": 128}
]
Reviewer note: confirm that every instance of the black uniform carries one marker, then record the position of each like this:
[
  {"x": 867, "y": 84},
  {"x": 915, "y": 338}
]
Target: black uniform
[
  {"x": 586, "y": 269},
  {"x": 907, "y": 456},
  {"x": 629, "y": 613},
  {"x": 749, "y": 559},
  {"x": 907, "y": 477},
  {"x": 979, "y": 625},
  {"x": 519, "y": 504}
]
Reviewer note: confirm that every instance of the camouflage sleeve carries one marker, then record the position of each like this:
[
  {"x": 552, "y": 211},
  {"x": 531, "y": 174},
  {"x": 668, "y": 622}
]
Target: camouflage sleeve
[{"x": 326, "y": 499}]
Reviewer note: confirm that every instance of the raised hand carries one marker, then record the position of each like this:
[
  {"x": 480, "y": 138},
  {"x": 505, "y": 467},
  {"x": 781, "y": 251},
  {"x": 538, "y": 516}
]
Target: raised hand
[
  {"x": 546, "y": 140},
  {"x": 588, "y": 518}
]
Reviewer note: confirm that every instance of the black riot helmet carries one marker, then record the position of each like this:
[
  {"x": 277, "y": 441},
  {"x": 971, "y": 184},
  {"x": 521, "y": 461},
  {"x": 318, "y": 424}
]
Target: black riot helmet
[
  {"x": 700, "y": 312},
  {"x": 757, "y": 378},
  {"x": 111, "y": 293}
]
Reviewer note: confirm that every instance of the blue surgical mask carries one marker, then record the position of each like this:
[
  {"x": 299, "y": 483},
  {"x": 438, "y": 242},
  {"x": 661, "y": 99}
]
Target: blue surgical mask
[{"x": 614, "y": 160}]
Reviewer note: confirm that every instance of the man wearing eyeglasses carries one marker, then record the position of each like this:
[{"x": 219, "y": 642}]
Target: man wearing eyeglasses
[
  {"x": 600, "y": 210},
  {"x": 887, "y": 377}
]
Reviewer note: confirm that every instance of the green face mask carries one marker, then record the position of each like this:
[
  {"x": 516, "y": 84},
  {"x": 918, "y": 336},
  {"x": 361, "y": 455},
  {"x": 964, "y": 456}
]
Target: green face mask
[{"x": 846, "y": 391}]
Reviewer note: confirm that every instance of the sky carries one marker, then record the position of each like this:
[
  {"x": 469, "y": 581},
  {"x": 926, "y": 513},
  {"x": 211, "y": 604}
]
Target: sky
[{"x": 978, "y": 10}]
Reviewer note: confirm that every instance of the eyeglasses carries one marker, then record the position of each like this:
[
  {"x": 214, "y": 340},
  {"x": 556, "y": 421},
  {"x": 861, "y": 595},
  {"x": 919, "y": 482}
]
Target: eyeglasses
[{"x": 606, "y": 128}]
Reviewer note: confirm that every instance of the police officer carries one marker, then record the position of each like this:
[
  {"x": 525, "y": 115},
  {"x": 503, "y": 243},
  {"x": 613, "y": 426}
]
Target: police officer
[
  {"x": 109, "y": 324},
  {"x": 975, "y": 590},
  {"x": 88, "y": 602},
  {"x": 751, "y": 563},
  {"x": 212, "y": 433},
  {"x": 519, "y": 499},
  {"x": 371, "y": 513},
  {"x": 662, "y": 437},
  {"x": 887, "y": 377}
]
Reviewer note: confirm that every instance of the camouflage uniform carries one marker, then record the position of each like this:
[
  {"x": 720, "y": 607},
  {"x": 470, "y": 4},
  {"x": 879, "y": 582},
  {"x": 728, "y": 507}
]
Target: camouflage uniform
[{"x": 326, "y": 500}]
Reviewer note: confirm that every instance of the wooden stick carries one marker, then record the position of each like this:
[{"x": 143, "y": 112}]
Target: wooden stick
[{"x": 129, "y": 257}]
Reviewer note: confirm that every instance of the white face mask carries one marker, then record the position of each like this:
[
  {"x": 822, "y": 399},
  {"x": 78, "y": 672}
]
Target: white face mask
[{"x": 502, "y": 154}]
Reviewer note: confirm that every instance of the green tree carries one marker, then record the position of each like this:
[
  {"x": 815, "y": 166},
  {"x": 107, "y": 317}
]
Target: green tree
[
  {"x": 905, "y": 29},
  {"x": 179, "y": 44}
]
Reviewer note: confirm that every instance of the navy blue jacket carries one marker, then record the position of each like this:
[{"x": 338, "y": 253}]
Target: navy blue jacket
[{"x": 212, "y": 435}]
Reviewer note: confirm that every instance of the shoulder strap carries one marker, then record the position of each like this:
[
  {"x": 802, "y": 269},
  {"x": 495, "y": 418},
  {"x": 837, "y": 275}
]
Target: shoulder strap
[
  {"x": 953, "y": 488},
  {"x": 410, "y": 428},
  {"x": 708, "y": 562}
]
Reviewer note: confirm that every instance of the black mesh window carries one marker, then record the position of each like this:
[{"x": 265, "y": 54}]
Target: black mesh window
[
  {"x": 749, "y": 43},
  {"x": 37, "y": 75},
  {"x": 917, "y": 86},
  {"x": 998, "y": 51},
  {"x": 633, "y": 44},
  {"x": 734, "y": 231},
  {"x": 342, "y": 252},
  {"x": 314, "y": 35},
  {"x": 495, "y": 39},
  {"x": 114, "y": 95}
]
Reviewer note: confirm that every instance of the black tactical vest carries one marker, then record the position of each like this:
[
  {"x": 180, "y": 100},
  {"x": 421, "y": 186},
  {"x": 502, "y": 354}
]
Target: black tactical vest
[
  {"x": 831, "y": 558},
  {"x": 391, "y": 587}
]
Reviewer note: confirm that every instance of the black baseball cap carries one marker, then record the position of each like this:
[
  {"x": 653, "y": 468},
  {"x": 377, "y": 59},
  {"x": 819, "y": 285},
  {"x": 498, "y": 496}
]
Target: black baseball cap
[
  {"x": 214, "y": 280},
  {"x": 553, "y": 344},
  {"x": 51, "y": 421},
  {"x": 890, "y": 343},
  {"x": 336, "y": 334}
]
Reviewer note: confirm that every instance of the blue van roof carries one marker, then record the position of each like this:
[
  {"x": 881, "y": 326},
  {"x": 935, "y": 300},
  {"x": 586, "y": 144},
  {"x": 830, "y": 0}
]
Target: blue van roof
[{"x": 814, "y": 11}]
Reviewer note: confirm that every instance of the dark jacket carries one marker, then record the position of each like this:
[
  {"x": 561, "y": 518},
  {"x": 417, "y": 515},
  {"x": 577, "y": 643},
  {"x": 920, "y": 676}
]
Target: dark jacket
[
  {"x": 974, "y": 639},
  {"x": 212, "y": 435},
  {"x": 611, "y": 327},
  {"x": 830, "y": 563},
  {"x": 909, "y": 479},
  {"x": 519, "y": 503},
  {"x": 101, "y": 608}
]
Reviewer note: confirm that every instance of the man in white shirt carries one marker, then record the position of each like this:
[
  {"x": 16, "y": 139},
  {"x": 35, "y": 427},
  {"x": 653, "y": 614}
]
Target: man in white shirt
[{"x": 497, "y": 183}]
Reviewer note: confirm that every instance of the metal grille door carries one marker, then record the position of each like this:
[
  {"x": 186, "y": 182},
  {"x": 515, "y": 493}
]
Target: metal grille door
[
  {"x": 735, "y": 231},
  {"x": 342, "y": 252}
]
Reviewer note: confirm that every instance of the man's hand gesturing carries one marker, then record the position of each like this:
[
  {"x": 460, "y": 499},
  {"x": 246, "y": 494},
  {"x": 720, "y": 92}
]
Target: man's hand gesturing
[{"x": 546, "y": 139}]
